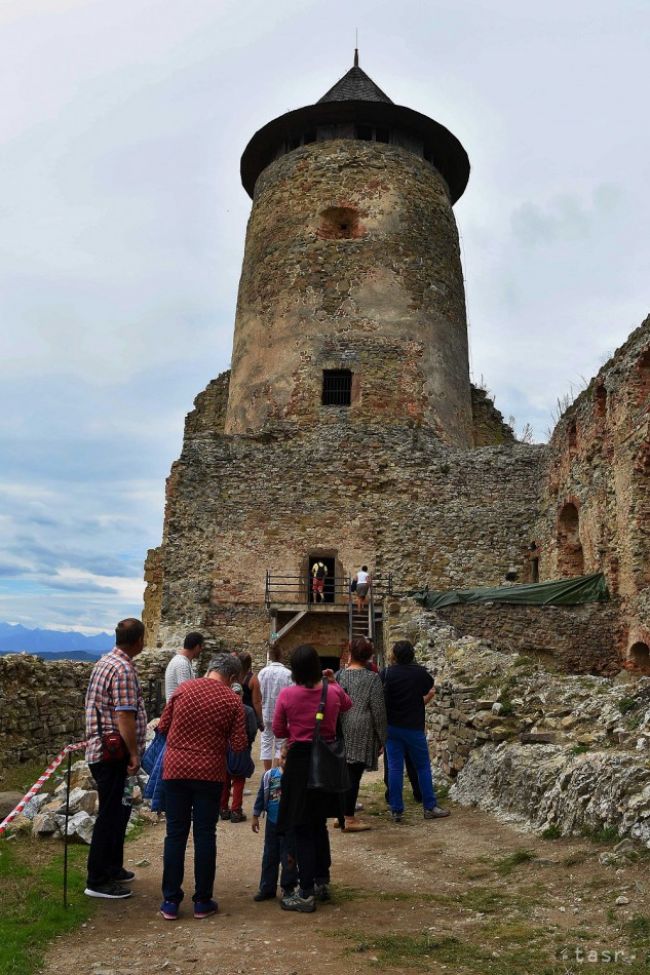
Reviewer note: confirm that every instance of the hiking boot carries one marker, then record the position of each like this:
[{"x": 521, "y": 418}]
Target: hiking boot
[
  {"x": 205, "y": 909},
  {"x": 238, "y": 816},
  {"x": 224, "y": 814},
  {"x": 294, "y": 902},
  {"x": 436, "y": 813},
  {"x": 396, "y": 817},
  {"x": 111, "y": 891},
  {"x": 322, "y": 893},
  {"x": 169, "y": 910},
  {"x": 264, "y": 895}
]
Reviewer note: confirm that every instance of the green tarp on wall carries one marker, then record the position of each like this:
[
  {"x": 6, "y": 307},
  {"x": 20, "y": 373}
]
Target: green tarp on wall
[{"x": 563, "y": 592}]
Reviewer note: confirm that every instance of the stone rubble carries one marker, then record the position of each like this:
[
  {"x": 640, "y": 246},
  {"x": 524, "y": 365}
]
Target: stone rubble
[
  {"x": 44, "y": 814},
  {"x": 546, "y": 750}
]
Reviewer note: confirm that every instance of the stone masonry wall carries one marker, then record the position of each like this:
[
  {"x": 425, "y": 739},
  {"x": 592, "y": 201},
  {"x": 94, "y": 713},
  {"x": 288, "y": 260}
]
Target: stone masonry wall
[
  {"x": 394, "y": 498},
  {"x": 490, "y": 428},
  {"x": 41, "y": 707},
  {"x": 352, "y": 262},
  {"x": 595, "y": 513},
  {"x": 575, "y": 640}
]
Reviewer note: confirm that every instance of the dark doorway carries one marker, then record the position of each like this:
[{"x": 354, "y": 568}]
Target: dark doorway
[
  {"x": 334, "y": 663},
  {"x": 327, "y": 592}
]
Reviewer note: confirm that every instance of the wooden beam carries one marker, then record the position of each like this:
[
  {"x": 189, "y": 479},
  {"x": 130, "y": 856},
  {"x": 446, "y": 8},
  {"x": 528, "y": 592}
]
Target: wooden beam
[{"x": 288, "y": 626}]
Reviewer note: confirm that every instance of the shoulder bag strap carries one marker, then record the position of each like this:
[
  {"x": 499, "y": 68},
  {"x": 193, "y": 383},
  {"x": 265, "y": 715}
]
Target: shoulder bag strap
[{"x": 320, "y": 714}]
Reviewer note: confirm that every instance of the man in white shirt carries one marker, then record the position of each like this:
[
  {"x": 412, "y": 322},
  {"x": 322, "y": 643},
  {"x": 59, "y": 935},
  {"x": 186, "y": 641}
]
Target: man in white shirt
[
  {"x": 179, "y": 668},
  {"x": 272, "y": 679}
]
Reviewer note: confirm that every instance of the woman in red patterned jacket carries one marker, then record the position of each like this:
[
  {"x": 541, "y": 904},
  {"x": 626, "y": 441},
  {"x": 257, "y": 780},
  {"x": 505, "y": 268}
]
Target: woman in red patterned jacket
[{"x": 201, "y": 720}]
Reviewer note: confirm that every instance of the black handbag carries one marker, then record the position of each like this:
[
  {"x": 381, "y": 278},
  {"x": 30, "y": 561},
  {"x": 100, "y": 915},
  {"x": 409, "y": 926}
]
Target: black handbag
[{"x": 328, "y": 769}]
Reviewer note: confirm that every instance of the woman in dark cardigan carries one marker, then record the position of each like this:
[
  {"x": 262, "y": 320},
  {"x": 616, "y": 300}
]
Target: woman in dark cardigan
[
  {"x": 302, "y": 811},
  {"x": 364, "y": 727}
]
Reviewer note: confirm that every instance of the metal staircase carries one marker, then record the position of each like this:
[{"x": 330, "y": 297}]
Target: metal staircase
[{"x": 366, "y": 622}]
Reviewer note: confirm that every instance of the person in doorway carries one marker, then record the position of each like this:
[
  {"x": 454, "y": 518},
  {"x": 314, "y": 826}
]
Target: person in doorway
[
  {"x": 363, "y": 580},
  {"x": 114, "y": 705},
  {"x": 272, "y": 679},
  {"x": 318, "y": 572},
  {"x": 364, "y": 727},
  {"x": 304, "y": 811},
  {"x": 202, "y": 718},
  {"x": 408, "y": 687},
  {"x": 180, "y": 667}
]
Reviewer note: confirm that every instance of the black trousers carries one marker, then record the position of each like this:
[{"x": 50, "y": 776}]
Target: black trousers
[
  {"x": 412, "y": 773},
  {"x": 355, "y": 771},
  {"x": 313, "y": 855},
  {"x": 106, "y": 855}
]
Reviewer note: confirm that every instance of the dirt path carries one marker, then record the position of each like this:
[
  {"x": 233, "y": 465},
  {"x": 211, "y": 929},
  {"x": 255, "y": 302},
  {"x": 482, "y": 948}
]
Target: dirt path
[{"x": 466, "y": 894}]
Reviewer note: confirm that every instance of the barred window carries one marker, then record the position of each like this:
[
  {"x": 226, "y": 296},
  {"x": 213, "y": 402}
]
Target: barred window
[{"x": 337, "y": 387}]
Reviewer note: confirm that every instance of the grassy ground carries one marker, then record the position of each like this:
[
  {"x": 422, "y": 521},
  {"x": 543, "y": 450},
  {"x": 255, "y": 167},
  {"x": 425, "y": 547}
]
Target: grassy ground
[
  {"x": 31, "y": 891},
  {"x": 20, "y": 778}
]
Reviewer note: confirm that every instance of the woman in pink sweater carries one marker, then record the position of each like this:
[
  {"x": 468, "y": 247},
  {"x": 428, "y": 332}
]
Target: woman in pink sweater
[{"x": 304, "y": 812}]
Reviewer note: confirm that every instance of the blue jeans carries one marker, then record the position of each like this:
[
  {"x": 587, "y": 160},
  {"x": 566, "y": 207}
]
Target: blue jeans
[
  {"x": 196, "y": 803},
  {"x": 401, "y": 742},
  {"x": 278, "y": 850}
]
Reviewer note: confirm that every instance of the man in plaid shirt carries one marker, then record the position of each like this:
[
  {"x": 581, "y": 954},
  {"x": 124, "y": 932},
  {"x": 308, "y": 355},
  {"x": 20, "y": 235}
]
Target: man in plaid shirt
[{"x": 114, "y": 704}]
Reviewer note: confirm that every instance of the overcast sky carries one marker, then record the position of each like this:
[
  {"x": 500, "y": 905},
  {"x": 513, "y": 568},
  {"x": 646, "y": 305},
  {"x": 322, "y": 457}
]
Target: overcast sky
[{"x": 123, "y": 224}]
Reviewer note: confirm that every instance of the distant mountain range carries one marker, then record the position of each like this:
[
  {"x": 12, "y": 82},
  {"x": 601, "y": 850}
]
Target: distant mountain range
[{"x": 53, "y": 644}]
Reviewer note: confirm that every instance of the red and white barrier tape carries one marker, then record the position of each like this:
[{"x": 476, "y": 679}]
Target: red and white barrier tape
[{"x": 38, "y": 785}]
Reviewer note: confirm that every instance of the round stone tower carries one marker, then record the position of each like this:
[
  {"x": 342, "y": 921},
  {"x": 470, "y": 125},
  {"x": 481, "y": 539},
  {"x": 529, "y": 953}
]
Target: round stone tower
[{"x": 351, "y": 304}]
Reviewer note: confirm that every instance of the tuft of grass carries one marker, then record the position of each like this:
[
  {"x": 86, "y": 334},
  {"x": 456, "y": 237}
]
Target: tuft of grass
[
  {"x": 483, "y": 900},
  {"x": 626, "y": 704},
  {"x": 601, "y": 834},
  {"x": 508, "y": 864},
  {"x": 574, "y": 859},
  {"x": 522, "y": 660},
  {"x": 551, "y": 833},
  {"x": 343, "y": 895},
  {"x": 579, "y": 749},
  {"x": 638, "y": 929},
  {"x": 31, "y": 878}
]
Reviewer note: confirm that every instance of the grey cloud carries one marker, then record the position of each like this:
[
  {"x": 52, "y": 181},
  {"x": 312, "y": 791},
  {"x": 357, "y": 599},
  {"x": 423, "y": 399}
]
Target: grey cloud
[{"x": 569, "y": 218}]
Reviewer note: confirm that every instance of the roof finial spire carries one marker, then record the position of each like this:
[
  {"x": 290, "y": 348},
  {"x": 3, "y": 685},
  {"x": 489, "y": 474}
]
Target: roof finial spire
[{"x": 356, "y": 47}]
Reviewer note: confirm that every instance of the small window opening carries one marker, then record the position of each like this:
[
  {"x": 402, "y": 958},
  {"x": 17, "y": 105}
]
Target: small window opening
[
  {"x": 364, "y": 132},
  {"x": 512, "y": 575},
  {"x": 339, "y": 223},
  {"x": 570, "y": 556},
  {"x": 640, "y": 656},
  {"x": 337, "y": 387}
]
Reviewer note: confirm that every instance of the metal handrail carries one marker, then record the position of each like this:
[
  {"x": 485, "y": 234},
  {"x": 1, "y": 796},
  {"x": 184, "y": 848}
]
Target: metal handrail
[{"x": 279, "y": 588}]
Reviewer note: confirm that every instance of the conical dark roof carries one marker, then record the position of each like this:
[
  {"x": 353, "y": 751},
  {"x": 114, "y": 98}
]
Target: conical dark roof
[
  {"x": 355, "y": 100},
  {"x": 355, "y": 86}
]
